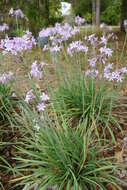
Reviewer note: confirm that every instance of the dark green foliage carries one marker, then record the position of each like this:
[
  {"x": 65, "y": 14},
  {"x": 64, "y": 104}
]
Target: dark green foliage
[
  {"x": 111, "y": 15},
  {"x": 40, "y": 13},
  {"x": 110, "y": 10}
]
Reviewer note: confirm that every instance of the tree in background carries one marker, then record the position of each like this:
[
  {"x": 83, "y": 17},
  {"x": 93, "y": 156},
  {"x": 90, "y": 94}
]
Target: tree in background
[
  {"x": 110, "y": 10},
  {"x": 40, "y": 13}
]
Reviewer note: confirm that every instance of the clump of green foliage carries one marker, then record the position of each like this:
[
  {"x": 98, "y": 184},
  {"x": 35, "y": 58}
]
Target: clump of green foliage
[
  {"x": 7, "y": 103},
  {"x": 59, "y": 155},
  {"x": 82, "y": 98}
]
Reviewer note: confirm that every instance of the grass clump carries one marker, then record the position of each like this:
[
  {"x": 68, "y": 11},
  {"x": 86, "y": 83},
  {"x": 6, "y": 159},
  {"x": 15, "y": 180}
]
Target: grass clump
[
  {"x": 7, "y": 103},
  {"x": 59, "y": 155},
  {"x": 80, "y": 98}
]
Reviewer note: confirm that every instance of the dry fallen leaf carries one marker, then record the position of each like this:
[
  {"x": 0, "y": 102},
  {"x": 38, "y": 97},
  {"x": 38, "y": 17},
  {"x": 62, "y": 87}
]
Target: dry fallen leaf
[
  {"x": 111, "y": 187},
  {"x": 119, "y": 156}
]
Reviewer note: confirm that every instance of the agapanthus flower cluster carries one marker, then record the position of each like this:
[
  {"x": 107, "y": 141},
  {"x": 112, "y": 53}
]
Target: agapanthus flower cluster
[
  {"x": 29, "y": 96},
  {"x": 114, "y": 75},
  {"x": 41, "y": 103},
  {"x": 4, "y": 27},
  {"x": 77, "y": 46},
  {"x": 18, "y": 13},
  {"x": 98, "y": 52},
  {"x": 18, "y": 44},
  {"x": 92, "y": 62},
  {"x": 92, "y": 39},
  {"x": 57, "y": 35},
  {"x": 103, "y": 40},
  {"x": 6, "y": 77},
  {"x": 79, "y": 20},
  {"x": 36, "y": 70},
  {"x": 106, "y": 51}
]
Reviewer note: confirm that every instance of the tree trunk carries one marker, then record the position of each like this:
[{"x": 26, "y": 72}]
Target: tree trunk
[
  {"x": 98, "y": 12},
  {"x": 47, "y": 12},
  {"x": 38, "y": 7},
  {"x": 93, "y": 12},
  {"x": 123, "y": 14}
]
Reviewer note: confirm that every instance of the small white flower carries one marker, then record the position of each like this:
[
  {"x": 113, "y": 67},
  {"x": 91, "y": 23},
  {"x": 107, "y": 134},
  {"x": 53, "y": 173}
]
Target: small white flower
[{"x": 37, "y": 127}]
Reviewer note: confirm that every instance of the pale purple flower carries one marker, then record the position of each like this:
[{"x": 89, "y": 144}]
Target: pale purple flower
[
  {"x": 75, "y": 30},
  {"x": 47, "y": 32},
  {"x": 10, "y": 75},
  {"x": 41, "y": 107},
  {"x": 19, "y": 13},
  {"x": 35, "y": 72},
  {"x": 123, "y": 70},
  {"x": 77, "y": 46},
  {"x": 55, "y": 48},
  {"x": 29, "y": 96},
  {"x": 3, "y": 78},
  {"x": 116, "y": 75},
  {"x": 108, "y": 67},
  {"x": 103, "y": 40},
  {"x": 92, "y": 39},
  {"x": 42, "y": 64},
  {"x": 107, "y": 71},
  {"x": 44, "y": 97},
  {"x": 79, "y": 21},
  {"x": 6, "y": 76},
  {"x": 58, "y": 34},
  {"x": 106, "y": 51},
  {"x": 92, "y": 62},
  {"x": 18, "y": 44}
]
